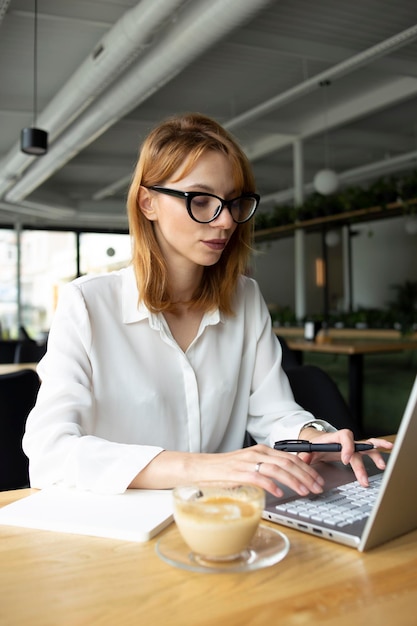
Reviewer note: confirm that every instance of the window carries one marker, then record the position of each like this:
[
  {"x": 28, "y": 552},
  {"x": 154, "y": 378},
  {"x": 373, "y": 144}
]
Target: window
[
  {"x": 48, "y": 260},
  {"x": 103, "y": 252},
  {"x": 8, "y": 282}
]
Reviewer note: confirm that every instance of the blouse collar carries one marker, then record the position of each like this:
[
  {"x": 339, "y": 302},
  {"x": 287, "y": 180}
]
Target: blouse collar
[{"x": 134, "y": 310}]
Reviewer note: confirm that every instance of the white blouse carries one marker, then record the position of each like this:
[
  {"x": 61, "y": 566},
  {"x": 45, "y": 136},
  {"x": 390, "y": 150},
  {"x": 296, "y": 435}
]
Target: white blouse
[{"x": 117, "y": 389}]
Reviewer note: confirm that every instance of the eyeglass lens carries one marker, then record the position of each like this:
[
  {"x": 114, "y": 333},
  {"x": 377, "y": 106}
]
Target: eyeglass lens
[{"x": 204, "y": 208}]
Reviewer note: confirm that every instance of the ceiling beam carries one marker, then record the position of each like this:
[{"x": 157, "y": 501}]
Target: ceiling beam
[
  {"x": 348, "y": 111},
  {"x": 343, "y": 68}
]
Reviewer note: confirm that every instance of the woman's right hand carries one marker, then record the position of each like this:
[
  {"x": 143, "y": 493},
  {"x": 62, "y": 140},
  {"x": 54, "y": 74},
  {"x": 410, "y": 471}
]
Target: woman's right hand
[{"x": 259, "y": 465}]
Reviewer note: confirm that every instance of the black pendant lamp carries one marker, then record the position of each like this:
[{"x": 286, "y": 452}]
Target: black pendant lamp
[{"x": 34, "y": 141}]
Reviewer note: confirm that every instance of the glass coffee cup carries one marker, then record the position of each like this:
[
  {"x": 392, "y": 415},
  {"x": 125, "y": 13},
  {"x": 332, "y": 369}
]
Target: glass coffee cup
[{"x": 217, "y": 520}]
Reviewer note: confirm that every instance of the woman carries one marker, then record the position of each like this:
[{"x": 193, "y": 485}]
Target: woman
[{"x": 154, "y": 373}]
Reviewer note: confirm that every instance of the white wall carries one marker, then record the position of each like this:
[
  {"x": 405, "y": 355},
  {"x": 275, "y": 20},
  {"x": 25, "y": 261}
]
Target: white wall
[
  {"x": 273, "y": 268},
  {"x": 382, "y": 255}
]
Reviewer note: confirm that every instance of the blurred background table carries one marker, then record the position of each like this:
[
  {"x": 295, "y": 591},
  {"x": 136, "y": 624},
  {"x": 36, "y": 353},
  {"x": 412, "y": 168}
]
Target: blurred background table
[
  {"x": 9, "y": 368},
  {"x": 355, "y": 349}
]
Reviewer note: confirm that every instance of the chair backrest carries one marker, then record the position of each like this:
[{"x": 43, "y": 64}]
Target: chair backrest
[
  {"x": 18, "y": 392},
  {"x": 8, "y": 350},
  {"x": 23, "y": 334},
  {"x": 28, "y": 351},
  {"x": 290, "y": 358},
  {"x": 317, "y": 392}
]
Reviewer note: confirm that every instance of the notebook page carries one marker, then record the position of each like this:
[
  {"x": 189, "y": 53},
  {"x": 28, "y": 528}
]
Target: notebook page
[{"x": 136, "y": 515}]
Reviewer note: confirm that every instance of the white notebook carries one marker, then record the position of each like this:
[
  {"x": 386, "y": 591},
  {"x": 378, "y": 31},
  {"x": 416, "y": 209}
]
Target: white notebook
[{"x": 136, "y": 515}]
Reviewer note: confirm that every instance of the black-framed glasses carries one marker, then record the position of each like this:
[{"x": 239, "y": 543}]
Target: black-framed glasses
[{"x": 205, "y": 207}]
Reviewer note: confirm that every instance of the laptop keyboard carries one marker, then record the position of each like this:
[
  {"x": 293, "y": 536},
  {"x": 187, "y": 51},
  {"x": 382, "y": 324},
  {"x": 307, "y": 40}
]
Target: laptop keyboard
[{"x": 337, "y": 507}]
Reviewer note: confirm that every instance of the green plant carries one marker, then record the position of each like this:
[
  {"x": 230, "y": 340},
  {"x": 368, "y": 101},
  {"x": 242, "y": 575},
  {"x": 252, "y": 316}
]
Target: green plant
[
  {"x": 380, "y": 193},
  {"x": 404, "y": 306},
  {"x": 355, "y": 198},
  {"x": 384, "y": 191},
  {"x": 371, "y": 318},
  {"x": 262, "y": 220},
  {"x": 283, "y": 316},
  {"x": 408, "y": 186},
  {"x": 284, "y": 214}
]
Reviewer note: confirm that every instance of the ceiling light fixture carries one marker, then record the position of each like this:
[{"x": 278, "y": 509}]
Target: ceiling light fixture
[
  {"x": 332, "y": 238},
  {"x": 34, "y": 141},
  {"x": 326, "y": 181},
  {"x": 411, "y": 225}
]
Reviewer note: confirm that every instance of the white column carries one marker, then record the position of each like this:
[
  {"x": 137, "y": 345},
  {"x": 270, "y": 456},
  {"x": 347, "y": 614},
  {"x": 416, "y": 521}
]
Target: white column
[
  {"x": 347, "y": 268},
  {"x": 18, "y": 230},
  {"x": 299, "y": 235}
]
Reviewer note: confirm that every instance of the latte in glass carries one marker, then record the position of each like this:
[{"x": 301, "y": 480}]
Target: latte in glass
[{"x": 217, "y": 520}]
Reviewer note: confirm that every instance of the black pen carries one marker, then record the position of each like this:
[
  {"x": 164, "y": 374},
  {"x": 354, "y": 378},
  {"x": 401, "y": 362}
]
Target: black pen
[{"x": 300, "y": 445}]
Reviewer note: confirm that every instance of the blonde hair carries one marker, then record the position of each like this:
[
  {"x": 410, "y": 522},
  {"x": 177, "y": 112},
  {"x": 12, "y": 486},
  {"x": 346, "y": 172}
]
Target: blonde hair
[{"x": 177, "y": 143}]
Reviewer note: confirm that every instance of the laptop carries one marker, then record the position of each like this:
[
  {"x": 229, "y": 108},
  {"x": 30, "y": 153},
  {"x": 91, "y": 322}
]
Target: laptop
[{"x": 359, "y": 517}]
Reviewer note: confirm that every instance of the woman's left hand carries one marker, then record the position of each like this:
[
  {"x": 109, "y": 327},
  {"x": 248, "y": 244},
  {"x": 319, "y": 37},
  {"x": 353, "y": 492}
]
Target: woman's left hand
[{"x": 347, "y": 454}]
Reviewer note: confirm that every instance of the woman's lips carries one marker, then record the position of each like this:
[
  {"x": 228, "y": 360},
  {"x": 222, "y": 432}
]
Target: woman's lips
[{"x": 215, "y": 244}]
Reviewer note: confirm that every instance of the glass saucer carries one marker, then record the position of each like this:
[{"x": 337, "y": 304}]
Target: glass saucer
[{"x": 269, "y": 546}]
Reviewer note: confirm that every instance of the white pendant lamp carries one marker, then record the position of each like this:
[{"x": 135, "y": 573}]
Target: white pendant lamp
[
  {"x": 332, "y": 238},
  {"x": 326, "y": 180},
  {"x": 411, "y": 225}
]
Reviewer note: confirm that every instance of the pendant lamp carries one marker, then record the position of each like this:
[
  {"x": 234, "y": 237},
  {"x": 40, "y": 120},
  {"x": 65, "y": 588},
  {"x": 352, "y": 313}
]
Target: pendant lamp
[
  {"x": 326, "y": 180},
  {"x": 332, "y": 238},
  {"x": 34, "y": 141},
  {"x": 411, "y": 225}
]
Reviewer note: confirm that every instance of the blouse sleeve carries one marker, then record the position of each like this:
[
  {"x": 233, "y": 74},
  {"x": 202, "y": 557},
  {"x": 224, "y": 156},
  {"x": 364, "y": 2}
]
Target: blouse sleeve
[
  {"x": 273, "y": 411},
  {"x": 57, "y": 439}
]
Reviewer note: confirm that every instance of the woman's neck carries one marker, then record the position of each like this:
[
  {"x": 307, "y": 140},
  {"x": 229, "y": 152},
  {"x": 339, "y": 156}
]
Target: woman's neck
[{"x": 183, "y": 285}]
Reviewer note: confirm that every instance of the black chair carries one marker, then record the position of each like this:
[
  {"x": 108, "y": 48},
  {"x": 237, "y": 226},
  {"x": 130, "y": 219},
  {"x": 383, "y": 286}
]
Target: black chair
[
  {"x": 18, "y": 392},
  {"x": 28, "y": 351},
  {"x": 23, "y": 334},
  {"x": 8, "y": 350},
  {"x": 317, "y": 392},
  {"x": 290, "y": 358}
]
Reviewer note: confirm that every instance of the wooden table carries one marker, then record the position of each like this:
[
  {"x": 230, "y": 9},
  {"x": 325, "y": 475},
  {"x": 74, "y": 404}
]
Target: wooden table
[
  {"x": 355, "y": 350},
  {"x": 54, "y": 579},
  {"x": 9, "y": 368}
]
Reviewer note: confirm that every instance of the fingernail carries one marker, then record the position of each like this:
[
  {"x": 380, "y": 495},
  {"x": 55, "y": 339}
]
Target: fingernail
[
  {"x": 304, "y": 491},
  {"x": 345, "y": 460},
  {"x": 317, "y": 488}
]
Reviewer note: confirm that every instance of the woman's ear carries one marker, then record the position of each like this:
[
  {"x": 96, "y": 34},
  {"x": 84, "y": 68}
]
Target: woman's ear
[{"x": 145, "y": 202}]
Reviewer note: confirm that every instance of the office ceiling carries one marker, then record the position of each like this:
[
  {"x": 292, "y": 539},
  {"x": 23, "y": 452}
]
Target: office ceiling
[{"x": 108, "y": 70}]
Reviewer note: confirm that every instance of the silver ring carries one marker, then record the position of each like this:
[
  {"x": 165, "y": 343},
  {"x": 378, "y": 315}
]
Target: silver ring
[{"x": 258, "y": 467}]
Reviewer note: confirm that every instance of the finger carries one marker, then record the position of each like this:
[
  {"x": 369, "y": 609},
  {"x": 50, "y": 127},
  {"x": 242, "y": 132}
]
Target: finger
[
  {"x": 375, "y": 455},
  {"x": 348, "y": 448},
  {"x": 382, "y": 444},
  {"x": 378, "y": 460},
  {"x": 306, "y": 457},
  {"x": 269, "y": 484},
  {"x": 291, "y": 472},
  {"x": 278, "y": 466},
  {"x": 359, "y": 470},
  {"x": 359, "y": 467}
]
